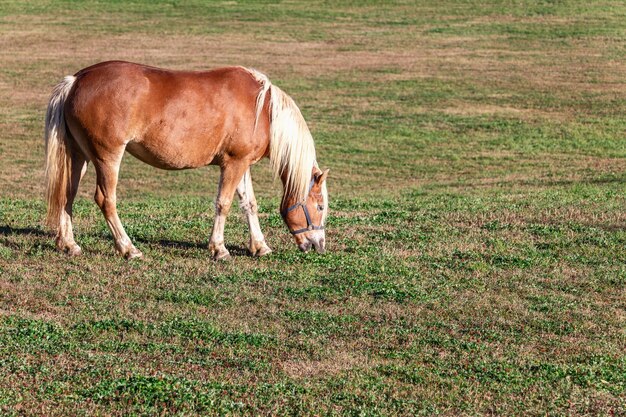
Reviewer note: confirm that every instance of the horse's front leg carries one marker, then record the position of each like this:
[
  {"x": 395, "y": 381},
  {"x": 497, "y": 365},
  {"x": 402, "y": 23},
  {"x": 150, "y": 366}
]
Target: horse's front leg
[
  {"x": 229, "y": 179},
  {"x": 257, "y": 246}
]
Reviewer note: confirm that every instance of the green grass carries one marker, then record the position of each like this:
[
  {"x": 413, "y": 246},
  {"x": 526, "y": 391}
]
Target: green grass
[{"x": 476, "y": 239}]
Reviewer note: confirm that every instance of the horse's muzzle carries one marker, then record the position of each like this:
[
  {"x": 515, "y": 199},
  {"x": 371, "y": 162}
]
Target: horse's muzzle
[{"x": 318, "y": 244}]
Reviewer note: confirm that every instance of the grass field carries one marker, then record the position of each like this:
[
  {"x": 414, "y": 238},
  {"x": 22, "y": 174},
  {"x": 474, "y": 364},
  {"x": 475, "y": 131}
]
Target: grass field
[{"x": 476, "y": 257}]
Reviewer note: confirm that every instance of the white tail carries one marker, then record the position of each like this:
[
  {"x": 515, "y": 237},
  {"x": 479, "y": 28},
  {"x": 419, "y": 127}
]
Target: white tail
[
  {"x": 58, "y": 160},
  {"x": 292, "y": 151}
]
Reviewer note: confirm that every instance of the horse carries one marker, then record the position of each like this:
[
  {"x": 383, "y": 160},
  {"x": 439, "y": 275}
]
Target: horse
[{"x": 231, "y": 117}]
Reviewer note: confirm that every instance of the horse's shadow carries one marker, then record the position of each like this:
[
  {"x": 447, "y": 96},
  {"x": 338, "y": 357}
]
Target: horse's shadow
[
  {"x": 36, "y": 238},
  {"x": 179, "y": 244},
  {"x": 7, "y": 231},
  {"x": 22, "y": 231}
]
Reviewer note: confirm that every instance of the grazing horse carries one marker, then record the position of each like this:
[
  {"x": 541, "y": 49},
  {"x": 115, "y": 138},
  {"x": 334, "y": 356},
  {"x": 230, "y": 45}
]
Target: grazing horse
[{"x": 230, "y": 117}]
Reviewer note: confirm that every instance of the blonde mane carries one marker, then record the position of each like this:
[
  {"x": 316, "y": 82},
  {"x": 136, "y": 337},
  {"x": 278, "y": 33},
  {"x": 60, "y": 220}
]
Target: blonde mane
[{"x": 292, "y": 151}]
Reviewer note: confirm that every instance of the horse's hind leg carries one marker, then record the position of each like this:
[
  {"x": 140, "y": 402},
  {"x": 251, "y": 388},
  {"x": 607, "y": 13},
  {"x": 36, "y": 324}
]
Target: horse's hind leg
[
  {"x": 107, "y": 170},
  {"x": 65, "y": 235},
  {"x": 257, "y": 245}
]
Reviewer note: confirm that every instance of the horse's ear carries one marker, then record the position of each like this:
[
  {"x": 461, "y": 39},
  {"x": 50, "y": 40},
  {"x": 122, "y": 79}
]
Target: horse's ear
[{"x": 321, "y": 177}]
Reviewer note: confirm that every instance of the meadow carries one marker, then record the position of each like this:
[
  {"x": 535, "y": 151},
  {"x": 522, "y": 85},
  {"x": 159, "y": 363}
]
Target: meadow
[{"x": 476, "y": 241}]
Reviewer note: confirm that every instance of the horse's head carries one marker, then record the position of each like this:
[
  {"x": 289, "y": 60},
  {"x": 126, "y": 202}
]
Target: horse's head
[{"x": 305, "y": 219}]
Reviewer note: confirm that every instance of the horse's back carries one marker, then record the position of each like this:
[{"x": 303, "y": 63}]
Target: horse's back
[{"x": 169, "y": 119}]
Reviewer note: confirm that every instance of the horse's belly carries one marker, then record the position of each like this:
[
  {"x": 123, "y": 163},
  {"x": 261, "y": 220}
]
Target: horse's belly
[{"x": 169, "y": 157}]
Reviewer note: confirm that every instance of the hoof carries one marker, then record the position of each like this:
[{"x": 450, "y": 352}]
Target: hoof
[
  {"x": 259, "y": 248},
  {"x": 221, "y": 256},
  {"x": 134, "y": 253},
  {"x": 69, "y": 248},
  {"x": 219, "y": 252},
  {"x": 73, "y": 250},
  {"x": 265, "y": 250}
]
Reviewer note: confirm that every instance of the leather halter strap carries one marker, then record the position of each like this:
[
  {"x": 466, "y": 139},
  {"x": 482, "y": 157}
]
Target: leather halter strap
[{"x": 309, "y": 224}]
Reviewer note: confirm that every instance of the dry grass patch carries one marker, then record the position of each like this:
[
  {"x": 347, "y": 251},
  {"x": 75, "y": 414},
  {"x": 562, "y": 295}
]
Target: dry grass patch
[{"x": 336, "y": 362}]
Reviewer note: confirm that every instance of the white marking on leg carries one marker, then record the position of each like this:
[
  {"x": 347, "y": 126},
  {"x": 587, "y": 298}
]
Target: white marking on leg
[
  {"x": 65, "y": 235},
  {"x": 216, "y": 243},
  {"x": 249, "y": 207}
]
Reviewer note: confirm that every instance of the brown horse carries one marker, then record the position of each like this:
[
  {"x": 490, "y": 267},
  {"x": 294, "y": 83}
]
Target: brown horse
[{"x": 230, "y": 117}]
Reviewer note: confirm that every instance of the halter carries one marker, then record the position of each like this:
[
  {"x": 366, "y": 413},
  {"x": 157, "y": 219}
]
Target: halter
[{"x": 309, "y": 223}]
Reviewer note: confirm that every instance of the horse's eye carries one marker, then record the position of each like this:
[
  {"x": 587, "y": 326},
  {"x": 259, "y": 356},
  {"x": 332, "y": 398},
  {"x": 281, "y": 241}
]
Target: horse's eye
[{"x": 320, "y": 207}]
